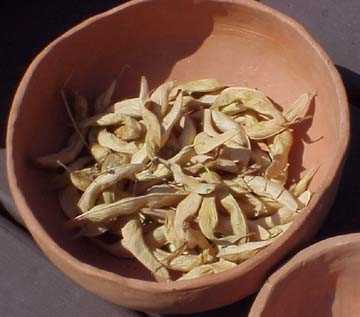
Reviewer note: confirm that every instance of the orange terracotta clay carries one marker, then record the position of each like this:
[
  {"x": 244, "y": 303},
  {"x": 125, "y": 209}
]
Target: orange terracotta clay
[
  {"x": 322, "y": 280},
  {"x": 239, "y": 42}
]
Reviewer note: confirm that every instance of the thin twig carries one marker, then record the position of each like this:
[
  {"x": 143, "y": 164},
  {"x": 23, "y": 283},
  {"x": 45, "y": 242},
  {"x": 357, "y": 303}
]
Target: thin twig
[{"x": 63, "y": 166}]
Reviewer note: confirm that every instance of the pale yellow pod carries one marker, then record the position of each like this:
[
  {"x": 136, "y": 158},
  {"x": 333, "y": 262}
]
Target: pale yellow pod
[
  {"x": 258, "y": 232},
  {"x": 190, "y": 183},
  {"x": 156, "y": 238},
  {"x": 208, "y": 125},
  {"x": 302, "y": 185},
  {"x": 225, "y": 123},
  {"x": 130, "y": 131},
  {"x": 279, "y": 151},
  {"x": 114, "y": 160},
  {"x": 130, "y": 205},
  {"x": 284, "y": 215},
  {"x": 197, "y": 86},
  {"x": 81, "y": 179},
  {"x": 181, "y": 263},
  {"x": 208, "y": 99},
  {"x": 211, "y": 177},
  {"x": 104, "y": 181},
  {"x": 61, "y": 180},
  {"x": 111, "y": 141},
  {"x": 264, "y": 129},
  {"x": 99, "y": 152},
  {"x": 233, "y": 109},
  {"x": 299, "y": 107},
  {"x": 158, "y": 214},
  {"x": 183, "y": 156},
  {"x": 140, "y": 156},
  {"x": 204, "y": 143},
  {"x": 68, "y": 199},
  {"x": 242, "y": 252},
  {"x": 225, "y": 165},
  {"x": 160, "y": 97},
  {"x": 134, "y": 242},
  {"x": 252, "y": 99},
  {"x": 208, "y": 217},
  {"x": 263, "y": 187},
  {"x": 172, "y": 118},
  {"x": 144, "y": 93},
  {"x": 208, "y": 269},
  {"x": 153, "y": 138},
  {"x": 104, "y": 120},
  {"x": 252, "y": 206},
  {"x": 129, "y": 107},
  {"x": 185, "y": 210},
  {"x": 237, "y": 217},
  {"x": 237, "y": 185}
]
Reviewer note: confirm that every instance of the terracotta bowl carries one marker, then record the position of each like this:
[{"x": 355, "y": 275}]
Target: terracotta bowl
[
  {"x": 322, "y": 280},
  {"x": 238, "y": 42}
]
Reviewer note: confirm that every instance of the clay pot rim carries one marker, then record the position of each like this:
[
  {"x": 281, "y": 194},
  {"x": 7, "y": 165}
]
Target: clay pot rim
[
  {"x": 38, "y": 232},
  {"x": 311, "y": 253}
]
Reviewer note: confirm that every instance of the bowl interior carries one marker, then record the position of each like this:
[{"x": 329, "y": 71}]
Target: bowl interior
[
  {"x": 325, "y": 284},
  {"x": 234, "y": 43}
]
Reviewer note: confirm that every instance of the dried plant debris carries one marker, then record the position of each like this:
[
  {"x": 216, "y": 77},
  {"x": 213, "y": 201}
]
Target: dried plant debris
[{"x": 191, "y": 178}]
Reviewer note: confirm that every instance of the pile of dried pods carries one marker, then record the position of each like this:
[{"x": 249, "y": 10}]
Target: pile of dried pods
[{"x": 190, "y": 178}]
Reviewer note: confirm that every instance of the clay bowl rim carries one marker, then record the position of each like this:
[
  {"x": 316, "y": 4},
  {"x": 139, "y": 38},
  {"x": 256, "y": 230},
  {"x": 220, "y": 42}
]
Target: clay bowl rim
[
  {"x": 312, "y": 252},
  {"x": 41, "y": 236}
]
